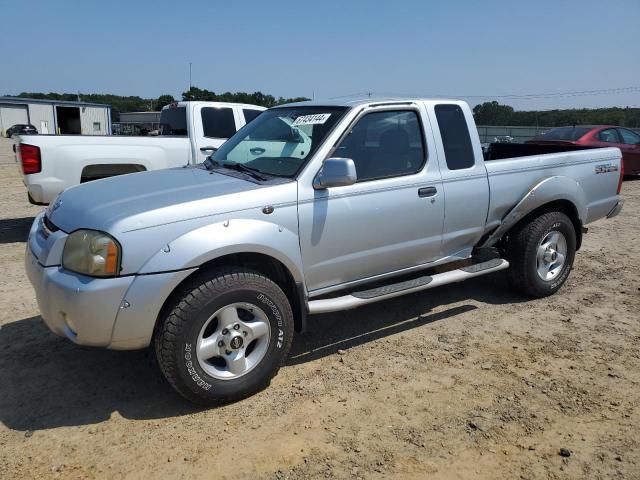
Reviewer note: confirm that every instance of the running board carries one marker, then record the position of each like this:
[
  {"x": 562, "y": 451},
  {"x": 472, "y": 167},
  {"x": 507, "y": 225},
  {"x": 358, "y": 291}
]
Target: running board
[{"x": 385, "y": 292}]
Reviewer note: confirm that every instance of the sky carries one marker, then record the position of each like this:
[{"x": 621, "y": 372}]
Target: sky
[{"x": 475, "y": 50}]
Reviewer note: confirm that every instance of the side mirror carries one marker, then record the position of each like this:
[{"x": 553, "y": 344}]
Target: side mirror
[{"x": 336, "y": 172}]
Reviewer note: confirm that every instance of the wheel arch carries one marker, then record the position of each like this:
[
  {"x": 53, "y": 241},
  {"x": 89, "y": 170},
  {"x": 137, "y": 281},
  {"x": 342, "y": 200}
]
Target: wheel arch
[
  {"x": 262, "y": 263},
  {"x": 559, "y": 193},
  {"x": 105, "y": 170},
  {"x": 561, "y": 205}
]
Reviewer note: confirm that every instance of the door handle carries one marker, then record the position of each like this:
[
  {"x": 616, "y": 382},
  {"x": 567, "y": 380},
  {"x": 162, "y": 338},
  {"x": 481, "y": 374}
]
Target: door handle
[
  {"x": 257, "y": 150},
  {"x": 208, "y": 149},
  {"x": 427, "y": 192}
]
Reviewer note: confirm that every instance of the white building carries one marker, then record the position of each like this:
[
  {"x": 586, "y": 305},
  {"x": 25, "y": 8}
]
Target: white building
[{"x": 55, "y": 116}]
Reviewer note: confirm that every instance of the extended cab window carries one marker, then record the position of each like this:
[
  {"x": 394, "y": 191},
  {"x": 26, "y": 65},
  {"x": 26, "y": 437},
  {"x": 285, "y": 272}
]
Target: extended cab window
[
  {"x": 250, "y": 114},
  {"x": 173, "y": 121},
  {"x": 218, "y": 122},
  {"x": 455, "y": 136},
  {"x": 385, "y": 144}
]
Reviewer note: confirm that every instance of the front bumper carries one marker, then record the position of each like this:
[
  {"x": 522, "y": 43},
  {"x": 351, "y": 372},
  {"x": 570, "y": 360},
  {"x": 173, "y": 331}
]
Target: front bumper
[
  {"x": 80, "y": 308},
  {"x": 93, "y": 311},
  {"x": 616, "y": 210},
  {"x": 118, "y": 313}
]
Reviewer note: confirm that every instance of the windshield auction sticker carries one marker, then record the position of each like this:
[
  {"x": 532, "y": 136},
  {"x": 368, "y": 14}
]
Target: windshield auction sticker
[{"x": 318, "y": 118}]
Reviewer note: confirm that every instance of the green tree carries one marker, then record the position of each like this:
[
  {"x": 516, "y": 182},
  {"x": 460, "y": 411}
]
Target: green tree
[
  {"x": 493, "y": 113},
  {"x": 164, "y": 100},
  {"x": 255, "y": 98},
  {"x": 195, "y": 93}
]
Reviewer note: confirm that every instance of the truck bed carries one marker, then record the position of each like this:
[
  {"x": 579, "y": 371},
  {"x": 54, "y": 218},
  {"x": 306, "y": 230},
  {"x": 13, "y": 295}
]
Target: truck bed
[
  {"x": 510, "y": 179},
  {"x": 500, "y": 151},
  {"x": 68, "y": 160}
]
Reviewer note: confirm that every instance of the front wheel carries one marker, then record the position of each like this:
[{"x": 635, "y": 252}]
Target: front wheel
[
  {"x": 225, "y": 336},
  {"x": 541, "y": 254}
]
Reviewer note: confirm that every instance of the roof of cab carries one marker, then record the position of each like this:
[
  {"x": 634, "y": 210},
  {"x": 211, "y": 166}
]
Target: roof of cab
[
  {"x": 360, "y": 101},
  {"x": 216, "y": 104}
]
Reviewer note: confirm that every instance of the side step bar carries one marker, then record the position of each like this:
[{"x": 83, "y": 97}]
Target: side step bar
[{"x": 356, "y": 299}]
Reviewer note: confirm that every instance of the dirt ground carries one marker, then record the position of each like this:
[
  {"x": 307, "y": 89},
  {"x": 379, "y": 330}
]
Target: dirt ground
[{"x": 466, "y": 381}]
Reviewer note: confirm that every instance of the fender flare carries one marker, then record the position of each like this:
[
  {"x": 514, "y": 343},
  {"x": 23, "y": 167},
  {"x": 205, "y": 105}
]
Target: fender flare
[
  {"x": 207, "y": 243},
  {"x": 549, "y": 190}
]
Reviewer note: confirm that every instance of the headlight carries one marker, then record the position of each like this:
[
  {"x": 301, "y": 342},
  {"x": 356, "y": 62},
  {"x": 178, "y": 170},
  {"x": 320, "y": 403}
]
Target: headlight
[{"x": 91, "y": 253}]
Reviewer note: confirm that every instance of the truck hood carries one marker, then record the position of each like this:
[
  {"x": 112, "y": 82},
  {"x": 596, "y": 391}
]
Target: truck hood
[{"x": 147, "y": 199}]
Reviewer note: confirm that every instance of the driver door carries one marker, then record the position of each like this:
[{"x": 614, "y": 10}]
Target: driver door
[{"x": 390, "y": 220}]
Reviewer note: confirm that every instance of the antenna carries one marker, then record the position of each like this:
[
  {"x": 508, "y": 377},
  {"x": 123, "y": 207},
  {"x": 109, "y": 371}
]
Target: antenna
[{"x": 189, "y": 75}]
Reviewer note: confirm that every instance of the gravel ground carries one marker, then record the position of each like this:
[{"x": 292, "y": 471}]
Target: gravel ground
[{"x": 467, "y": 381}]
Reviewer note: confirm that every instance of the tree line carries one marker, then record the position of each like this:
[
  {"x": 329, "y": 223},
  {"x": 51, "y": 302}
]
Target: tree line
[
  {"x": 494, "y": 113},
  {"x": 122, "y": 104},
  {"x": 488, "y": 113}
]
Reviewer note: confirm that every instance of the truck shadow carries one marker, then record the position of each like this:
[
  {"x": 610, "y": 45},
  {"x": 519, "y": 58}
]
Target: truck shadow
[
  {"x": 13, "y": 230},
  {"x": 48, "y": 382},
  {"x": 326, "y": 334}
]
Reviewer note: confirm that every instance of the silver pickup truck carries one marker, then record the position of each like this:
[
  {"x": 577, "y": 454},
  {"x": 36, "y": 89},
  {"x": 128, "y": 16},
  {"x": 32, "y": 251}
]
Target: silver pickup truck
[{"x": 313, "y": 207}]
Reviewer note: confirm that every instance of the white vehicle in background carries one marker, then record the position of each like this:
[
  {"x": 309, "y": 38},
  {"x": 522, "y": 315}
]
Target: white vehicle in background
[{"x": 190, "y": 131}]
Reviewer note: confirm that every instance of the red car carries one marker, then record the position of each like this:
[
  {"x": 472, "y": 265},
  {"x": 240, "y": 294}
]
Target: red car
[{"x": 598, "y": 136}]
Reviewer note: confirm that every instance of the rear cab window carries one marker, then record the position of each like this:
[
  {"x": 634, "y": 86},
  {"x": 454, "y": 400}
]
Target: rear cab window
[
  {"x": 250, "y": 114},
  {"x": 456, "y": 140},
  {"x": 173, "y": 122},
  {"x": 218, "y": 122}
]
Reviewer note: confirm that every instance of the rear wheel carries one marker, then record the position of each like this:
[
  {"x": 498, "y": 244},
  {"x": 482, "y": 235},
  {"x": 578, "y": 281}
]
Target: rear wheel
[
  {"x": 541, "y": 254},
  {"x": 225, "y": 336}
]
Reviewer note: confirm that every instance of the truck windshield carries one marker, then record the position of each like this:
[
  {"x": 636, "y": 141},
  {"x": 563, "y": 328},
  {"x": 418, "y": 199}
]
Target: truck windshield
[
  {"x": 279, "y": 141},
  {"x": 173, "y": 122}
]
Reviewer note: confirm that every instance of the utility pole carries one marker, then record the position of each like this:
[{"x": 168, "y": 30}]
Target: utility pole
[{"x": 189, "y": 75}]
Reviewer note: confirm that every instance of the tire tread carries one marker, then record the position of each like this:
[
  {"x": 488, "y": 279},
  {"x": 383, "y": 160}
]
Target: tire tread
[
  {"x": 190, "y": 299},
  {"x": 522, "y": 245}
]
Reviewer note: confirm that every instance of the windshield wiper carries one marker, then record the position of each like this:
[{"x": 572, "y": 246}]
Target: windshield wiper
[
  {"x": 239, "y": 167},
  {"x": 253, "y": 172},
  {"x": 210, "y": 164}
]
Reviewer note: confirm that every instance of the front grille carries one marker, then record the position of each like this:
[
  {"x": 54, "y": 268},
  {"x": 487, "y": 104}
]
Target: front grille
[{"x": 48, "y": 227}]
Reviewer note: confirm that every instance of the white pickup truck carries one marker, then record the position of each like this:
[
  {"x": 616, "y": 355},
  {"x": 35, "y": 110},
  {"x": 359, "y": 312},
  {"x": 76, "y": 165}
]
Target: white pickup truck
[{"x": 189, "y": 132}]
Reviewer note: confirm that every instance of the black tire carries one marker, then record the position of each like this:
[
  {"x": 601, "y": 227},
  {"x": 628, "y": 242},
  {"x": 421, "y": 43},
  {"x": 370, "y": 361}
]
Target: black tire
[
  {"x": 178, "y": 330},
  {"x": 521, "y": 252}
]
